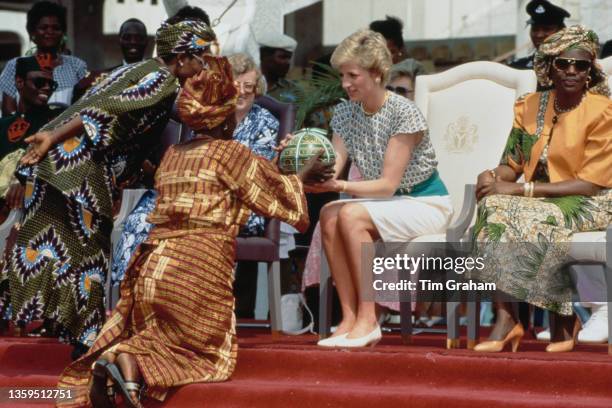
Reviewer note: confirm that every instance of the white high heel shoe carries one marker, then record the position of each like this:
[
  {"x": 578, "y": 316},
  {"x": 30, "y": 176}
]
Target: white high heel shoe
[
  {"x": 370, "y": 339},
  {"x": 331, "y": 341}
]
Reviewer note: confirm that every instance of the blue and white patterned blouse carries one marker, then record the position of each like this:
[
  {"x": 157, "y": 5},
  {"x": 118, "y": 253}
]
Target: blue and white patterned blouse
[
  {"x": 257, "y": 131},
  {"x": 136, "y": 230},
  {"x": 67, "y": 75}
]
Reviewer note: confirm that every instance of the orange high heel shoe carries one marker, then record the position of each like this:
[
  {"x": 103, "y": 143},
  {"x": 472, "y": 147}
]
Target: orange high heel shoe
[
  {"x": 514, "y": 336},
  {"x": 565, "y": 345}
]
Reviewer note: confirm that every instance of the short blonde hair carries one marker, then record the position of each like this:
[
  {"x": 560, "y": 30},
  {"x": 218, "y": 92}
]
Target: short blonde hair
[
  {"x": 241, "y": 64},
  {"x": 368, "y": 49}
]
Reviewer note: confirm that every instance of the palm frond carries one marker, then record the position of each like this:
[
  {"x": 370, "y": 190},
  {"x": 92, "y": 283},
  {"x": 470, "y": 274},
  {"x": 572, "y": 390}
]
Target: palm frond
[{"x": 322, "y": 91}]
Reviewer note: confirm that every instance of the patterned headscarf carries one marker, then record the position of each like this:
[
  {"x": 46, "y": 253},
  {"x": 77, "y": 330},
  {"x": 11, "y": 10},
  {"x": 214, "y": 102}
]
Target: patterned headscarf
[
  {"x": 188, "y": 36},
  {"x": 208, "y": 98},
  {"x": 574, "y": 37}
]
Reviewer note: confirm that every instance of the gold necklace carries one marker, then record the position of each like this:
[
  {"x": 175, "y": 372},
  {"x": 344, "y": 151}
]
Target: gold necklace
[
  {"x": 367, "y": 113},
  {"x": 560, "y": 110}
]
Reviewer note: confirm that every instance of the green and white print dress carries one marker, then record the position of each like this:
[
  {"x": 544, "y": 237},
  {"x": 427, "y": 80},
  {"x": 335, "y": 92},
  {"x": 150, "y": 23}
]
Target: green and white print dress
[{"x": 59, "y": 264}]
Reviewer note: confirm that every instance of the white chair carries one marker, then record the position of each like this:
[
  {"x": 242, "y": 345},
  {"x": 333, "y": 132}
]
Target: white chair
[
  {"x": 606, "y": 65},
  {"x": 469, "y": 110}
]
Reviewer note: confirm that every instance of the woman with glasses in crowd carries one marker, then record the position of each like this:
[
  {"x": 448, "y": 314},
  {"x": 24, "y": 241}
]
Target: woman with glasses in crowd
[
  {"x": 401, "y": 83},
  {"x": 46, "y": 25},
  {"x": 401, "y": 80},
  {"x": 257, "y": 129},
  {"x": 57, "y": 268},
  {"x": 560, "y": 142}
]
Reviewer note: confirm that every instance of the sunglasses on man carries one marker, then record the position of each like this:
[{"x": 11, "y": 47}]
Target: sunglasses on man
[
  {"x": 563, "y": 64},
  {"x": 400, "y": 90},
  {"x": 40, "y": 83}
]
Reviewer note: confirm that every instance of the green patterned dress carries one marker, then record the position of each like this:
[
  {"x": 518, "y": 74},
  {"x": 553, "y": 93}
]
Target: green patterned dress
[
  {"x": 525, "y": 241},
  {"x": 59, "y": 264}
]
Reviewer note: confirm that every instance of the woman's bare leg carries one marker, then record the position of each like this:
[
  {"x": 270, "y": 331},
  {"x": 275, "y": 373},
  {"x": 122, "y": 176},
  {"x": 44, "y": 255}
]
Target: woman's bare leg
[
  {"x": 507, "y": 318},
  {"x": 110, "y": 357},
  {"x": 339, "y": 267},
  {"x": 100, "y": 393},
  {"x": 129, "y": 368},
  {"x": 561, "y": 327},
  {"x": 356, "y": 228}
]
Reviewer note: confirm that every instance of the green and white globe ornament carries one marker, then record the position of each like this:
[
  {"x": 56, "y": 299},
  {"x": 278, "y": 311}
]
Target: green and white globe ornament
[{"x": 305, "y": 144}]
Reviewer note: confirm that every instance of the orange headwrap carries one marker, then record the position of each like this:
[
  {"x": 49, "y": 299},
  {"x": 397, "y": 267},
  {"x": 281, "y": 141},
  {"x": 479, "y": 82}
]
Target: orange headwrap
[{"x": 208, "y": 98}]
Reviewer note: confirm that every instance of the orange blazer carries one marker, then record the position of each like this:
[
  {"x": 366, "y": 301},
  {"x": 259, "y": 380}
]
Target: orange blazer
[{"x": 580, "y": 140}]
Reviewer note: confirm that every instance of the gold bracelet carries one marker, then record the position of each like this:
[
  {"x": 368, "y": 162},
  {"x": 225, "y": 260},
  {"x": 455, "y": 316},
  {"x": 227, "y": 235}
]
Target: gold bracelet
[
  {"x": 344, "y": 185},
  {"x": 531, "y": 189},
  {"x": 525, "y": 189}
]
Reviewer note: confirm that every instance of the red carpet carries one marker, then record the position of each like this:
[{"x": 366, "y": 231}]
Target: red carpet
[{"x": 293, "y": 372}]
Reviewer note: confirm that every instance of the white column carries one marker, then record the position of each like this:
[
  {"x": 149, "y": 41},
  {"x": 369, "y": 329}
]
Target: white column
[
  {"x": 522, "y": 30},
  {"x": 172, "y": 6}
]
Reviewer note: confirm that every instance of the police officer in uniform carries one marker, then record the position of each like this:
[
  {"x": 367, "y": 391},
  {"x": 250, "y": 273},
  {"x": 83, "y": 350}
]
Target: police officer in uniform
[{"x": 546, "y": 19}]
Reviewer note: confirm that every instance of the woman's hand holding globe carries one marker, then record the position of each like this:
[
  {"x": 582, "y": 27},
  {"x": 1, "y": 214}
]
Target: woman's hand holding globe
[
  {"x": 309, "y": 154},
  {"x": 316, "y": 171}
]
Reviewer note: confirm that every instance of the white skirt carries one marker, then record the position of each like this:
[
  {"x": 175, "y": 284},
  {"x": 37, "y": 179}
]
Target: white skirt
[{"x": 403, "y": 218}]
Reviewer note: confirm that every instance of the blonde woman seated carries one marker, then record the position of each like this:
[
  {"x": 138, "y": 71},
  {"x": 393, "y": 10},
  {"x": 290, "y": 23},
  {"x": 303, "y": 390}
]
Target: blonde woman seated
[{"x": 385, "y": 136}]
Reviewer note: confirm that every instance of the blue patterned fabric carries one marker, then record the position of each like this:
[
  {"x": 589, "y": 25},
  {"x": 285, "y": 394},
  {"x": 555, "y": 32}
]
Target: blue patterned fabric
[
  {"x": 257, "y": 131},
  {"x": 135, "y": 231}
]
